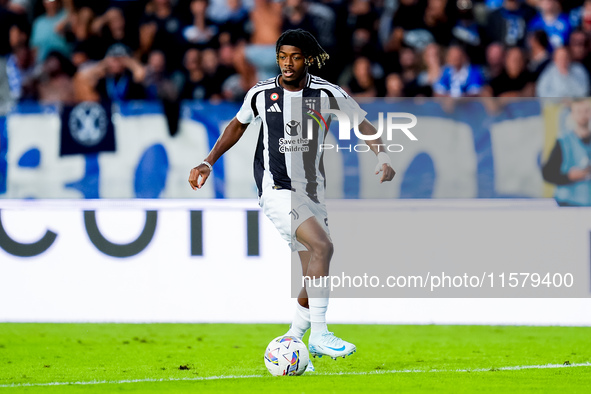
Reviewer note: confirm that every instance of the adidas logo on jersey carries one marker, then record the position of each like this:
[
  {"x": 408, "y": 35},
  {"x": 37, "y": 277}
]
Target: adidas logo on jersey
[{"x": 274, "y": 108}]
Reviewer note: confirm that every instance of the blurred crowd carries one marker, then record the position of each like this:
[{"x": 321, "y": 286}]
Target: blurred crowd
[{"x": 69, "y": 51}]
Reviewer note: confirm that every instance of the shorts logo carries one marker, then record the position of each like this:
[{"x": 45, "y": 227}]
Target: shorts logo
[
  {"x": 295, "y": 214},
  {"x": 274, "y": 96},
  {"x": 293, "y": 128}
]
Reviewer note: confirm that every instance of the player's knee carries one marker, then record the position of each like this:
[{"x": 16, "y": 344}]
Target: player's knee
[{"x": 323, "y": 248}]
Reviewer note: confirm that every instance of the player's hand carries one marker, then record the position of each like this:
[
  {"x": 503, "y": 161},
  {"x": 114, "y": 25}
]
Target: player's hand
[
  {"x": 387, "y": 172},
  {"x": 201, "y": 171}
]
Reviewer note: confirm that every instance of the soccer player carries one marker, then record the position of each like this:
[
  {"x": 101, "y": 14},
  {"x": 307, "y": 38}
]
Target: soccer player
[{"x": 290, "y": 178}]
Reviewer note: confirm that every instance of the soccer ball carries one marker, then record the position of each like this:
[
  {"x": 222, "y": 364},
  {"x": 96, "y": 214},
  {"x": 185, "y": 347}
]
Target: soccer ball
[{"x": 286, "y": 356}]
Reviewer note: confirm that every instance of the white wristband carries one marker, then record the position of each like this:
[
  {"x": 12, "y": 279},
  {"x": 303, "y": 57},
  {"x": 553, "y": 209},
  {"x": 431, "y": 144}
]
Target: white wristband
[
  {"x": 207, "y": 164},
  {"x": 383, "y": 158}
]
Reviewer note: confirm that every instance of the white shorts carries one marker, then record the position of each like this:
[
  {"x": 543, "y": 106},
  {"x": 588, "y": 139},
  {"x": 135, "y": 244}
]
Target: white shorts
[{"x": 288, "y": 210}]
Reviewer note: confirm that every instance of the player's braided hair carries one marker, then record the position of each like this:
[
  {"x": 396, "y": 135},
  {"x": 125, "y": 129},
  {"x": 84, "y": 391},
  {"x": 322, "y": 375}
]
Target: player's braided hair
[{"x": 307, "y": 43}]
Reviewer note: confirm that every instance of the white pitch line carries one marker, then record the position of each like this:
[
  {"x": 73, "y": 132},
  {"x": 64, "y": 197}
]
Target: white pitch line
[{"x": 378, "y": 372}]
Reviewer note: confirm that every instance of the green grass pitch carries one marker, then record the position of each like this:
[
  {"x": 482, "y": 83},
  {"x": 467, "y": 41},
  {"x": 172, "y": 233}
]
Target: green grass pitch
[{"x": 197, "y": 358}]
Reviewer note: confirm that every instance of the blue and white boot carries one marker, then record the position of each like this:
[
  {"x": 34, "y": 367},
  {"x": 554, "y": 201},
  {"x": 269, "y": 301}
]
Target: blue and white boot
[{"x": 327, "y": 344}]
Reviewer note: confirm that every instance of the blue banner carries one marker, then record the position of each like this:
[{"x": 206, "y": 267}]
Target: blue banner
[{"x": 464, "y": 150}]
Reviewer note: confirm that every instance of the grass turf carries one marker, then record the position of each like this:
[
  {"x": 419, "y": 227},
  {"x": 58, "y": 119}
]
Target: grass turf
[{"x": 45, "y": 353}]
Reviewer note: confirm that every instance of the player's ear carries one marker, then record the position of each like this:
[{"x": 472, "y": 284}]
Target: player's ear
[{"x": 309, "y": 61}]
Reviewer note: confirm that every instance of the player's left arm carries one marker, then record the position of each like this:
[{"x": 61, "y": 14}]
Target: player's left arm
[{"x": 376, "y": 145}]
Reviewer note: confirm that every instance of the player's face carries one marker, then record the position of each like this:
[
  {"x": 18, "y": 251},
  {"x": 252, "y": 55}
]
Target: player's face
[{"x": 292, "y": 63}]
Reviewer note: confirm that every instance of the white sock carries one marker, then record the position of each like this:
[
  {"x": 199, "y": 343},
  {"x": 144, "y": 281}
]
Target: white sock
[
  {"x": 301, "y": 322},
  {"x": 318, "y": 292}
]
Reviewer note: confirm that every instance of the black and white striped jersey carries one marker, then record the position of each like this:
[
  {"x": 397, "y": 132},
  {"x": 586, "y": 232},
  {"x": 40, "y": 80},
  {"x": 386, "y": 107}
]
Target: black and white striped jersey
[{"x": 285, "y": 157}]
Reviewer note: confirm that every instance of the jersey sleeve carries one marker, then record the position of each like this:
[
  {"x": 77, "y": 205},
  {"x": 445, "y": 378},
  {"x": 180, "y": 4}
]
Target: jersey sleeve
[
  {"x": 348, "y": 104},
  {"x": 246, "y": 113}
]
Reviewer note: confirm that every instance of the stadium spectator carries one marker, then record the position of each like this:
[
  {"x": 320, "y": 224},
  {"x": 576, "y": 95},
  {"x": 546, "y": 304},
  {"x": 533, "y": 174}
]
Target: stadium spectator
[
  {"x": 569, "y": 164},
  {"x": 579, "y": 48},
  {"x": 361, "y": 26},
  {"x": 80, "y": 56},
  {"x": 409, "y": 66},
  {"x": 160, "y": 83},
  {"x": 408, "y": 27},
  {"x": 362, "y": 43},
  {"x": 215, "y": 73},
  {"x": 362, "y": 15},
  {"x": 75, "y": 27},
  {"x": 19, "y": 69},
  {"x": 459, "y": 78},
  {"x": 362, "y": 82},
  {"x": 226, "y": 54},
  {"x": 394, "y": 85},
  {"x": 576, "y": 14},
  {"x": 555, "y": 23},
  {"x": 98, "y": 7},
  {"x": 508, "y": 23},
  {"x": 409, "y": 72},
  {"x": 44, "y": 35},
  {"x": 51, "y": 82},
  {"x": 235, "y": 86},
  {"x": 468, "y": 32},
  {"x": 439, "y": 21},
  {"x": 12, "y": 29},
  {"x": 196, "y": 86},
  {"x": 118, "y": 77},
  {"x": 349, "y": 31},
  {"x": 313, "y": 17},
  {"x": 514, "y": 80},
  {"x": 495, "y": 60},
  {"x": 266, "y": 21},
  {"x": 234, "y": 27},
  {"x": 202, "y": 31},
  {"x": 586, "y": 17},
  {"x": 21, "y": 7},
  {"x": 83, "y": 88},
  {"x": 357, "y": 17},
  {"x": 19, "y": 30},
  {"x": 493, "y": 4},
  {"x": 112, "y": 28},
  {"x": 431, "y": 68},
  {"x": 161, "y": 29},
  {"x": 417, "y": 25},
  {"x": 539, "y": 57},
  {"x": 563, "y": 78},
  {"x": 296, "y": 16},
  {"x": 221, "y": 11},
  {"x": 164, "y": 85}
]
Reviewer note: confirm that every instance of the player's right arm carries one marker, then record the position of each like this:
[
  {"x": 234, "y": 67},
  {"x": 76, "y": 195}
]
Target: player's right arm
[{"x": 228, "y": 139}]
